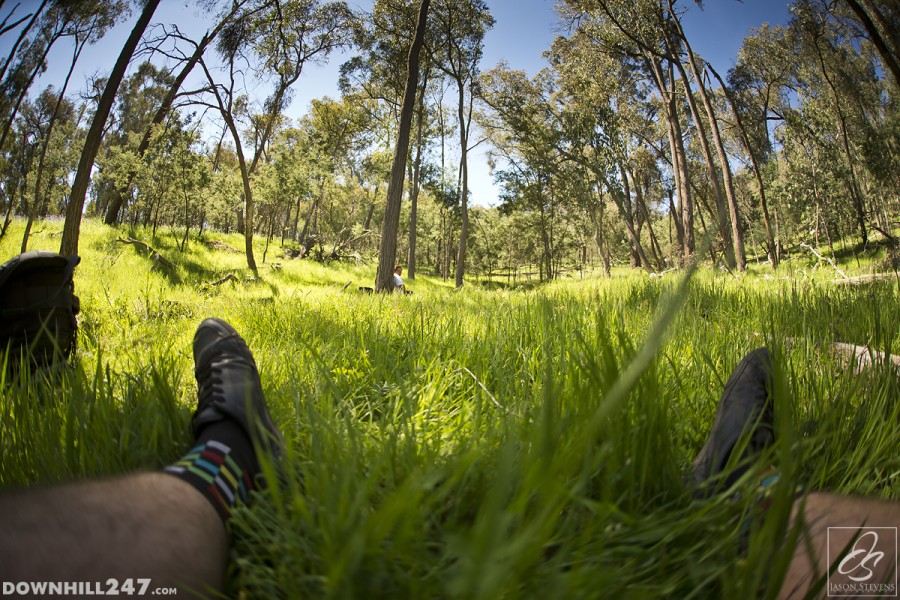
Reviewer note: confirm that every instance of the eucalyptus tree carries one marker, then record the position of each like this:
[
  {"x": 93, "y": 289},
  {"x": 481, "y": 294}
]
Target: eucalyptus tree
[
  {"x": 12, "y": 21},
  {"x": 18, "y": 159},
  {"x": 335, "y": 131},
  {"x": 275, "y": 45},
  {"x": 524, "y": 133},
  {"x": 388, "y": 248},
  {"x": 758, "y": 88},
  {"x": 835, "y": 78},
  {"x": 54, "y": 159},
  {"x": 599, "y": 115},
  {"x": 818, "y": 79},
  {"x": 760, "y": 82},
  {"x": 697, "y": 71},
  {"x": 168, "y": 184},
  {"x": 755, "y": 165},
  {"x": 50, "y": 22},
  {"x": 225, "y": 189},
  {"x": 84, "y": 29},
  {"x": 881, "y": 21},
  {"x": 810, "y": 24},
  {"x": 635, "y": 32},
  {"x": 188, "y": 62},
  {"x": 381, "y": 38},
  {"x": 460, "y": 27},
  {"x": 75, "y": 209},
  {"x": 193, "y": 179},
  {"x": 377, "y": 73},
  {"x": 286, "y": 180},
  {"x": 131, "y": 114}
]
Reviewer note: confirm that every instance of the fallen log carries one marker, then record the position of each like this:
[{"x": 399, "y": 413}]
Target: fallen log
[
  {"x": 229, "y": 277},
  {"x": 864, "y": 279},
  {"x": 158, "y": 259},
  {"x": 863, "y": 356},
  {"x": 219, "y": 245},
  {"x": 823, "y": 258}
]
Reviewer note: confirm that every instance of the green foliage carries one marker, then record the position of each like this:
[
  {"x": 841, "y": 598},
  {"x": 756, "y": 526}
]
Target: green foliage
[{"x": 470, "y": 443}]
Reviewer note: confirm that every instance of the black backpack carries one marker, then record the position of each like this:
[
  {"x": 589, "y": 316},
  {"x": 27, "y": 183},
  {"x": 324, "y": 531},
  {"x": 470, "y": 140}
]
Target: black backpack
[{"x": 38, "y": 307}]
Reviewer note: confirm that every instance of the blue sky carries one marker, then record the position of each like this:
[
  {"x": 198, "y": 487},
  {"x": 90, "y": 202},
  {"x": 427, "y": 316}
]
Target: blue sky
[{"x": 523, "y": 30}]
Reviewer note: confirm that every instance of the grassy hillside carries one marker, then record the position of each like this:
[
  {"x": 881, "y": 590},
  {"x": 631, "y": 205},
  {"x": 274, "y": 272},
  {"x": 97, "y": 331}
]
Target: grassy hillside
[{"x": 473, "y": 443}]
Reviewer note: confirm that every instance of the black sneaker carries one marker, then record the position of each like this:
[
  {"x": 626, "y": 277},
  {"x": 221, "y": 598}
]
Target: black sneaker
[
  {"x": 229, "y": 386},
  {"x": 745, "y": 406}
]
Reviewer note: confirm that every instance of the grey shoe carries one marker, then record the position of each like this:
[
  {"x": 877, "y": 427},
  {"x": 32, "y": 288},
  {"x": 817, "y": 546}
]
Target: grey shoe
[
  {"x": 229, "y": 386},
  {"x": 745, "y": 406}
]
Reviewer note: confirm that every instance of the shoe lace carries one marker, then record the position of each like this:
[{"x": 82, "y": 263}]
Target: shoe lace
[{"x": 209, "y": 384}]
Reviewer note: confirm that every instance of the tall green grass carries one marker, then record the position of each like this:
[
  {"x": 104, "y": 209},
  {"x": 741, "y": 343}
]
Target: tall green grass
[{"x": 467, "y": 444}]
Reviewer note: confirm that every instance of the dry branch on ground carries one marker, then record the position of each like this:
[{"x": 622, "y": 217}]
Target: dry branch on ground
[{"x": 158, "y": 259}]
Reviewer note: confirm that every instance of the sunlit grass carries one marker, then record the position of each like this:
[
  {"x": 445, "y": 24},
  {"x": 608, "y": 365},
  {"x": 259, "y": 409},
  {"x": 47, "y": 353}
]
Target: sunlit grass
[{"x": 448, "y": 444}]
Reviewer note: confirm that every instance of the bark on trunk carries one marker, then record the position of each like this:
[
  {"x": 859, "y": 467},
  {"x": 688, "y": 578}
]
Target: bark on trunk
[
  {"x": 112, "y": 212},
  {"x": 463, "y": 188},
  {"x": 72, "y": 227},
  {"x": 684, "y": 211},
  {"x": 736, "y": 235},
  {"x": 770, "y": 239},
  {"x": 38, "y": 200},
  {"x": 387, "y": 255},
  {"x": 414, "y": 194},
  {"x": 721, "y": 217}
]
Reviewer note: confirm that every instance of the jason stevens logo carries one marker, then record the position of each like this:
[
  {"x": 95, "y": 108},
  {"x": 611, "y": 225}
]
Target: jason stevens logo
[{"x": 863, "y": 561}]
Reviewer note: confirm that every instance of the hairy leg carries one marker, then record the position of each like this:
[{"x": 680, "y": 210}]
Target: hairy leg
[
  {"x": 821, "y": 511},
  {"x": 146, "y": 525}
]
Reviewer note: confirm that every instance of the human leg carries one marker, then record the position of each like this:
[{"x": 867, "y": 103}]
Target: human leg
[
  {"x": 165, "y": 526},
  {"x": 145, "y": 525},
  {"x": 745, "y": 409}
]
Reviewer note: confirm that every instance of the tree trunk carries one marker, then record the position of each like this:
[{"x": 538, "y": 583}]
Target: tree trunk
[
  {"x": 721, "y": 217},
  {"x": 641, "y": 205},
  {"x": 112, "y": 212},
  {"x": 770, "y": 239},
  {"x": 69, "y": 244},
  {"x": 889, "y": 55},
  {"x": 414, "y": 194},
  {"x": 619, "y": 201},
  {"x": 247, "y": 214},
  {"x": 387, "y": 255},
  {"x": 310, "y": 215},
  {"x": 635, "y": 256},
  {"x": 22, "y": 35},
  {"x": 684, "y": 212},
  {"x": 367, "y": 226},
  {"x": 737, "y": 236},
  {"x": 463, "y": 186},
  {"x": 296, "y": 220},
  {"x": 79, "y": 46},
  {"x": 248, "y": 192},
  {"x": 596, "y": 214}
]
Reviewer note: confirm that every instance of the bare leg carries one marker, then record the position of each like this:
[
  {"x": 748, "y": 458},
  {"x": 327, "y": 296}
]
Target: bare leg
[
  {"x": 146, "y": 525},
  {"x": 810, "y": 561}
]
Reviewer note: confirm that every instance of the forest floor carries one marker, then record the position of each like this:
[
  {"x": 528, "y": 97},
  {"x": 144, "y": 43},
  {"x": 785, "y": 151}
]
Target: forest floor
[{"x": 474, "y": 443}]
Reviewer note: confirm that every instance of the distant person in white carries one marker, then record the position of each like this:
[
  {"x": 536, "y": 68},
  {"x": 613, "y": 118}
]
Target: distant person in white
[{"x": 398, "y": 281}]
